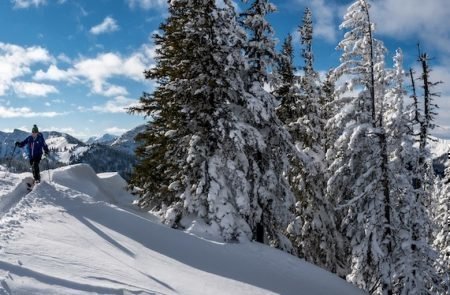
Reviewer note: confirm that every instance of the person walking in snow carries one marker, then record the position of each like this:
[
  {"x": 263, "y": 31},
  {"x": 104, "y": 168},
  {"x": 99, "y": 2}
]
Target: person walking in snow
[{"x": 35, "y": 146}]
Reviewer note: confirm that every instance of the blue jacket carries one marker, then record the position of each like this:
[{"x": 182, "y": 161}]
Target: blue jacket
[{"x": 35, "y": 145}]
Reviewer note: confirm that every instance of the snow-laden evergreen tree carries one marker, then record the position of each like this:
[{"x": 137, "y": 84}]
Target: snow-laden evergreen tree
[
  {"x": 359, "y": 159},
  {"x": 414, "y": 271},
  {"x": 422, "y": 120},
  {"x": 285, "y": 85},
  {"x": 327, "y": 100},
  {"x": 260, "y": 47},
  {"x": 162, "y": 150},
  {"x": 313, "y": 232},
  {"x": 429, "y": 107},
  {"x": 286, "y": 90},
  {"x": 401, "y": 153},
  {"x": 205, "y": 154},
  {"x": 310, "y": 119},
  {"x": 268, "y": 158},
  {"x": 441, "y": 234}
]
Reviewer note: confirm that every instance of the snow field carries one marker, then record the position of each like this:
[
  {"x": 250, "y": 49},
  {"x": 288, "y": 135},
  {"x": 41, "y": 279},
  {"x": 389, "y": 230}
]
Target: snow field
[{"x": 79, "y": 234}]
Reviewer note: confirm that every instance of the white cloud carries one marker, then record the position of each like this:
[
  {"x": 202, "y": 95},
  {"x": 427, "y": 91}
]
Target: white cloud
[
  {"x": 98, "y": 70},
  {"x": 442, "y": 73},
  {"x": 25, "y": 112},
  {"x": 27, "y": 3},
  {"x": 116, "y": 130},
  {"x": 16, "y": 62},
  {"x": 423, "y": 21},
  {"x": 20, "y": 4},
  {"x": 147, "y": 4},
  {"x": 108, "y": 25},
  {"x": 33, "y": 89},
  {"x": 116, "y": 105},
  {"x": 112, "y": 90},
  {"x": 64, "y": 58},
  {"x": 53, "y": 73},
  {"x": 324, "y": 18},
  {"x": 70, "y": 130}
]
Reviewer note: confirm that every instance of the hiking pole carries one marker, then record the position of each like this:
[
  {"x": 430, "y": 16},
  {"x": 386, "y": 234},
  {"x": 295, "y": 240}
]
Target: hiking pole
[
  {"x": 48, "y": 169},
  {"x": 10, "y": 161}
]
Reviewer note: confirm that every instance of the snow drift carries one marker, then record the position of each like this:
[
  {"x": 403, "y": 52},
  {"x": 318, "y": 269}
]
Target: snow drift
[{"x": 77, "y": 233}]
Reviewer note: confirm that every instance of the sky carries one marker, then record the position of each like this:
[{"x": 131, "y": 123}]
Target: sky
[
  {"x": 74, "y": 65},
  {"x": 77, "y": 233}
]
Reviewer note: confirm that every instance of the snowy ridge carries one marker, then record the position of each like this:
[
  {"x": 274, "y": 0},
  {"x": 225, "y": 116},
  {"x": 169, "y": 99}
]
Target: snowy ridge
[
  {"x": 106, "y": 139},
  {"x": 65, "y": 150},
  {"x": 126, "y": 142},
  {"x": 108, "y": 153},
  {"x": 439, "y": 147},
  {"x": 79, "y": 234},
  {"x": 12, "y": 189}
]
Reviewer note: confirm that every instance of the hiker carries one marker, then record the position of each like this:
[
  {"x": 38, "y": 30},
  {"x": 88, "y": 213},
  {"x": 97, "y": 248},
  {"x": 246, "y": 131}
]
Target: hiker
[{"x": 35, "y": 144}]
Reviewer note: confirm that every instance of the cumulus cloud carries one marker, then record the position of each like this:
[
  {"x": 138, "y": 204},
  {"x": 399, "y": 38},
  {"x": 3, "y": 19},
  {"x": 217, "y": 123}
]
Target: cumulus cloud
[
  {"x": 115, "y": 130},
  {"x": 116, "y": 105},
  {"x": 33, "y": 89},
  {"x": 24, "y": 112},
  {"x": 53, "y": 73},
  {"x": 16, "y": 62},
  {"x": 424, "y": 21},
  {"x": 113, "y": 90},
  {"x": 442, "y": 73},
  {"x": 81, "y": 134},
  {"x": 98, "y": 70},
  {"x": 108, "y": 25},
  {"x": 64, "y": 58},
  {"x": 20, "y": 4},
  {"x": 146, "y": 4}
]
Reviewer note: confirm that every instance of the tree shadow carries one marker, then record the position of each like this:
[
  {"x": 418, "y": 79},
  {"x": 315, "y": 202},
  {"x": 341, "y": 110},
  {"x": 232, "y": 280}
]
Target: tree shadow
[{"x": 51, "y": 280}]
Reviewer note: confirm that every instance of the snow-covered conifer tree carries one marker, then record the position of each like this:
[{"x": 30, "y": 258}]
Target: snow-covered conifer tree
[
  {"x": 205, "y": 154},
  {"x": 179, "y": 172},
  {"x": 429, "y": 110},
  {"x": 286, "y": 91},
  {"x": 422, "y": 124},
  {"x": 310, "y": 119},
  {"x": 422, "y": 121},
  {"x": 268, "y": 158},
  {"x": 314, "y": 231},
  {"x": 260, "y": 47},
  {"x": 163, "y": 144},
  {"x": 285, "y": 85},
  {"x": 442, "y": 229},
  {"x": 414, "y": 260},
  {"x": 359, "y": 159},
  {"x": 327, "y": 99}
]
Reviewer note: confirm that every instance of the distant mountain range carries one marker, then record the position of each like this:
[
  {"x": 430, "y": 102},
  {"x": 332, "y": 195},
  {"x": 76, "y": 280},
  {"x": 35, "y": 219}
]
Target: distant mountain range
[
  {"x": 116, "y": 153},
  {"x": 104, "y": 154},
  {"x": 104, "y": 139}
]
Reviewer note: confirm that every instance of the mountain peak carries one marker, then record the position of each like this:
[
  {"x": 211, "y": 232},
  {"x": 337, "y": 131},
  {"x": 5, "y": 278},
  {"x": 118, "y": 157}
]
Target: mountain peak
[{"x": 104, "y": 139}]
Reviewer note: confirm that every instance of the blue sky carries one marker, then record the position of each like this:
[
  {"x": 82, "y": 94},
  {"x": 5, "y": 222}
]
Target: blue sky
[{"x": 73, "y": 65}]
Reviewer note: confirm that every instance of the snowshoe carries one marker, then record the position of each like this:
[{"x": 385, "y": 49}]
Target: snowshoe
[{"x": 30, "y": 185}]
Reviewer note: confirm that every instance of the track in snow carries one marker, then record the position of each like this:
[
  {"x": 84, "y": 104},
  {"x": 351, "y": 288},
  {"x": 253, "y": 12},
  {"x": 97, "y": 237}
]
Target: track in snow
[{"x": 12, "y": 190}]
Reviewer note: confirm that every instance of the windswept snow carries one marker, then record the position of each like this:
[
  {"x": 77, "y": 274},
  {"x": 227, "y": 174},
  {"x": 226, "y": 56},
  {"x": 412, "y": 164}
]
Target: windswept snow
[
  {"x": 439, "y": 147},
  {"x": 64, "y": 149},
  {"x": 77, "y": 233}
]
